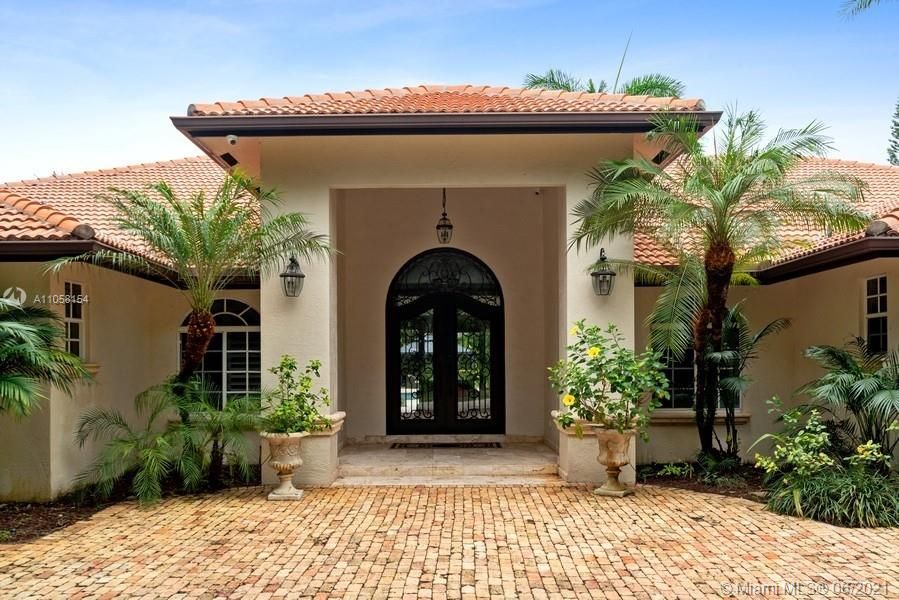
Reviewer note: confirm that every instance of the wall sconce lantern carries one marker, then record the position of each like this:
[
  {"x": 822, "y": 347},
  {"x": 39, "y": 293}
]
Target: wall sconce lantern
[
  {"x": 292, "y": 279},
  {"x": 444, "y": 225},
  {"x": 603, "y": 276}
]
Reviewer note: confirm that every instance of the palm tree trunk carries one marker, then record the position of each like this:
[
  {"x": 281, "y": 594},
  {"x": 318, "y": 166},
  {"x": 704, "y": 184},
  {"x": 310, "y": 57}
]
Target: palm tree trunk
[
  {"x": 200, "y": 329},
  {"x": 719, "y": 267}
]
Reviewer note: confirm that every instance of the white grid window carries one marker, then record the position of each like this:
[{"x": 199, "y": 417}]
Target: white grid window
[
  {"x": 681, "y": 375},
  {"x": 232, "y": 365},
  {"x": 876, "y": 314},
  {"x": 74, "y": 318}
]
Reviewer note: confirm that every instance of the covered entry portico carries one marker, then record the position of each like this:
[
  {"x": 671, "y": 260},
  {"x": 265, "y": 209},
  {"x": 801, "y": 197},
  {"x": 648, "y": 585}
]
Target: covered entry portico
[
  {"x": 368, "y": 168},
  {"x": 379, "y": 198}
]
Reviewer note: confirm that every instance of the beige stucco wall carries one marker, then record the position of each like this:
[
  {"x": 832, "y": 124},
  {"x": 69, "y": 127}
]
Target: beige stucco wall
[
  {"x": 131, "y": 333},
  {"x": 825, "y": 308}
]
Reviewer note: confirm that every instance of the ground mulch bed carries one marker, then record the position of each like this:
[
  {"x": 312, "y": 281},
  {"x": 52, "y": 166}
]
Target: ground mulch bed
[
  {"x": 23, "y": 521},
  {"x": 751, "y": 487}
]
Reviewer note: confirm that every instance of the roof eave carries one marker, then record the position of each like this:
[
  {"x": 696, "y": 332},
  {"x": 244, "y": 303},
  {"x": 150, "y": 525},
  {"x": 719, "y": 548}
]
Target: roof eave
[
  {"x": 867, "y": 248},
  {"x": 426, "y": 123}
]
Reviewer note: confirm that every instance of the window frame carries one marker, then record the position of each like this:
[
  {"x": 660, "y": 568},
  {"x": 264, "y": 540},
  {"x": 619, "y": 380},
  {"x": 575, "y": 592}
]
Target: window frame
[
  {"x": 880, "y": 294},
  {"x": 224, "y": 330},
  {"x": 69, "y": 320},
  {"x": 691, "y": 409}
]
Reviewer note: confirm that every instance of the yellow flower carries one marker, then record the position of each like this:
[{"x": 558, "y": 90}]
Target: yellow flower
[
  {"x": 592, "y": 351},
  {"x": 567, "y": 399},
  {"x": 574, "y": 330}
]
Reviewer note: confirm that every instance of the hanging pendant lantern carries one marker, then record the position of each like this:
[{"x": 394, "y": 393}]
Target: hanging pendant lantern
[
  {"x": 603, "y": 276},
  {"x": 444, "y": 225},
  {"x": 292, "y": 278}
]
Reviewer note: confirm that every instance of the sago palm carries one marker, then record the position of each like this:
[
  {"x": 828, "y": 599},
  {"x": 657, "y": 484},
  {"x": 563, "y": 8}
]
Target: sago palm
[
  {"x": 718, "y": 213},
  {"x": 31, "y": 357},
  {"x": 200, "y": 244}
]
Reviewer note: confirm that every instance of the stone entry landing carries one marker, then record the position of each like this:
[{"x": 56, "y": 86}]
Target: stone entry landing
[{"x": 381, "y": 464}]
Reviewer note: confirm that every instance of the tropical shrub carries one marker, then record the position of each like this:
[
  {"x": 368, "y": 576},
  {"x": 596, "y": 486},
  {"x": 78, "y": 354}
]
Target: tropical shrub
[
  {"x": 31, "y": 357},
  {"x": 805, "y": 478},
  {"x": 150, "y": 455},
  {"x": 860, "y": 391},
  {"x": 603, "y": 382},
  {"x": 166, "y": 449},
  {"x": 293, "y": 405}
]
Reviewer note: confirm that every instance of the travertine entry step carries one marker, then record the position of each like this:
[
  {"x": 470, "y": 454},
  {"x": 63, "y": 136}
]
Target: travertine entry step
[{"x": 509, "y": 461}]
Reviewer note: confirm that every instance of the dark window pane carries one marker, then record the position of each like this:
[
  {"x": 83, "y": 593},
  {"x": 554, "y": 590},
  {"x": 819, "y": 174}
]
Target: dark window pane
[
  {"x": 237, "y": 340},
  {"x": 254, "y": 382},
  {"x": 75, "y": 348},
  {"x": 237, "y": 361},
  {"x": 883, "y": 304},
  {"x": 75, "y": 330},
  {"x": 251, "y": 316},
  {"x": 228, "y": 320},
  {"x": 871, "y": 287},
  {"x": 76, "y": 309},
  {"x": 872, "y": 305},
  {"x": 67, "y": 288},
  {"x": 218, "y": 306},
  {"x": 236, "y": 382},
  {"x": 883, "y": 285},
  {"x": 254, "y": 361}
]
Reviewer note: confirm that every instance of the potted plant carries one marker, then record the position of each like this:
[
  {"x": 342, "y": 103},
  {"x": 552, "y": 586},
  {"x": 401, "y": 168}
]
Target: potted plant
[
  {"x": 611, "y": 388},
  {"x": 292, "y": 414}
]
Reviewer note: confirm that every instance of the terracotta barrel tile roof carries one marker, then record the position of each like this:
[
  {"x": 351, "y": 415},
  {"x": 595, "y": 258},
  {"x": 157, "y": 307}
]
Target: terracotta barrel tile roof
[
  {"x": 881, "y": 198},
  {"x": 68, "y": 206},
  {"x": 444, "y": 99}
]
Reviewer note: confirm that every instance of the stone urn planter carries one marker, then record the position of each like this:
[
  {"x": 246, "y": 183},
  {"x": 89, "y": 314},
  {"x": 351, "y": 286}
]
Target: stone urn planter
[
  {"x": 284, "y": 451},
  {"x": 613, "y": 454}
]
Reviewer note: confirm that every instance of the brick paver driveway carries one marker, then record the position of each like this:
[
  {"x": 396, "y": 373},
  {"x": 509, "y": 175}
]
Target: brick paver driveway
[{"x": 435, "y": 542}]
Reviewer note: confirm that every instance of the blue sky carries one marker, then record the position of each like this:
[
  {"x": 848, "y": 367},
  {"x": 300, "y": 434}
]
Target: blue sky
[{"x": 91, "y": 84}]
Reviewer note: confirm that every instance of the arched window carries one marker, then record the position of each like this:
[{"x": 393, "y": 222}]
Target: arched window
[{"x": 232, "y": 365}]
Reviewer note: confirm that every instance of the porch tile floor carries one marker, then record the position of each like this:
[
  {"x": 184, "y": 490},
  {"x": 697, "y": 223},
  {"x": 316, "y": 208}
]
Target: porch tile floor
[
  {"x": 379, "y": 464},
  {"x": 451, "y": 542}
]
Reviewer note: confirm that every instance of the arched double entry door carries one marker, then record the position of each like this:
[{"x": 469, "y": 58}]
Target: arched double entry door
[{"x": 445, "y": 347}]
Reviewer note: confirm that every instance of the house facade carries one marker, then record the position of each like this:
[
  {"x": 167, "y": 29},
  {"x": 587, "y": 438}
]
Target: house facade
[{"x": 419, "y": 340}]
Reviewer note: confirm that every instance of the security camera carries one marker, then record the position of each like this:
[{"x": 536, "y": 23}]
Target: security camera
[{"x": 231, "y": 139}]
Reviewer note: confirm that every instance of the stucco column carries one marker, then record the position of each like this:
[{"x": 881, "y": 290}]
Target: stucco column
[
  {"x": 577, "y": 457},
  {"x": 305, "y": 327}
]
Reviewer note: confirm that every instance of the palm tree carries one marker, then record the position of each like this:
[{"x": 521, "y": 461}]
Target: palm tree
[
  {"x": 201, "y": 244},
  {"x": 652, "y": 84},
  {"x": 854, "y": 7},
  {"x": 720, "y": 214},
  {"x": 739, "y": 346},
  {"x": 31, "y": 357}
]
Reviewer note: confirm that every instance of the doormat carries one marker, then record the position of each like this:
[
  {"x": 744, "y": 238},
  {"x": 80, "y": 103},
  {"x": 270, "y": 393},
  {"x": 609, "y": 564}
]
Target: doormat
[{"x": 414, "y": 445}]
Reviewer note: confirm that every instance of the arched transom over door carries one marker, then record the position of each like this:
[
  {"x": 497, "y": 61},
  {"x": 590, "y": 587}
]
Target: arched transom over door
[{"x": 445, "y": 347}]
